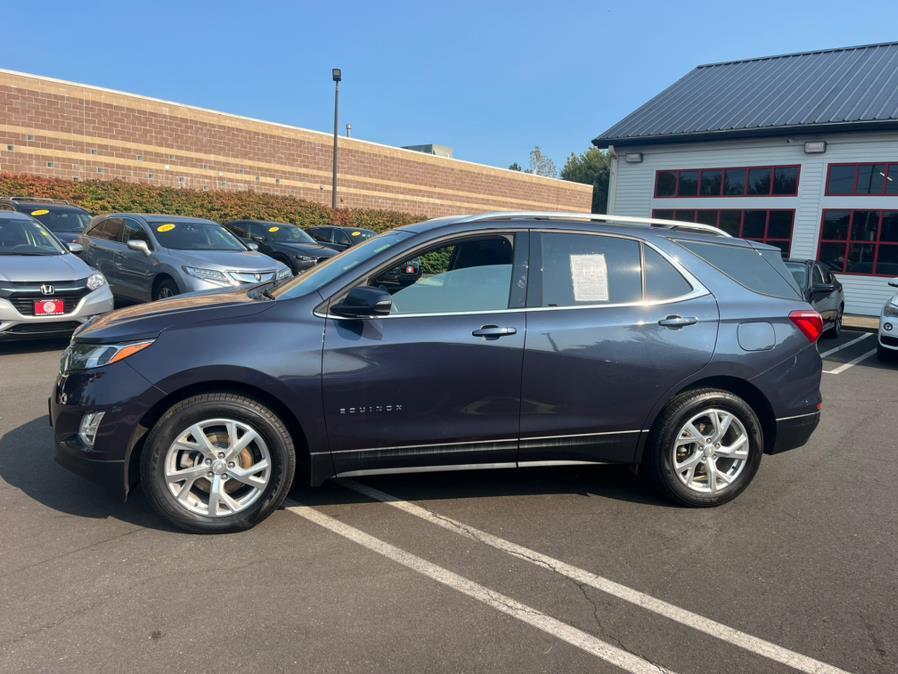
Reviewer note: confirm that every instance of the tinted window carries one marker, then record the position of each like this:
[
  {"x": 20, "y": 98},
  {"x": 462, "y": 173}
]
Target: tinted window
[
  {"x": 662, "y": 280},
  {"x": 818, "y": 275},
  {"x": 195, "y": 235},
  {"x": 730, "y": 222},
  {"x": 26, "y": 237},
  {"x": 744, "y": 265},
  {"x": 835, "y": 224},
  {"x": 754, "y": 224},
  {"x": 734, "y": 181},
  {"x": 462, "y": 276},
  {"x": 134, "y": 232},
  {"x": 285, "y": 233},
  {"x": 61, "y": 220},
  {"x": 889, "y": 233},
  {"x": 667, "y": 184},
  {"x": 841, "y": 179},
  {"x": 237, "y": 228},
  {"x": 871, "y": 178},
  {"x": 578, "y": 269},
  {"x": 799, "y": 273},
  {"x": 110, "y": 229},
  {"x": 780, "y": 225},
  {"x": 864, "y": 225},
  {"x": 339, "y": 236},
  {"x": 759, "y": 181},
  {"x": 688, "y": 184},
  {"x": 785, "y": 180},
  {"x": 711, "y": 182}
]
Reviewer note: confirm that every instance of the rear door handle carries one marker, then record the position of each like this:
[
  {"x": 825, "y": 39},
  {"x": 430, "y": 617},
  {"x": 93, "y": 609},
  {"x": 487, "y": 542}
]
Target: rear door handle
[
  {"x": 678, "y": 321},
  {"x": 493, "y": 331}
]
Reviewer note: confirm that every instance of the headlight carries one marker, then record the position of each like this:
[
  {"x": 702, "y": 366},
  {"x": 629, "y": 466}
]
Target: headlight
[
  {"x": 208, "y": 275},
  {"x": 890, "y": 310},
  {"x": 81, "y": 356},
  {"x": 305, "y": 258},
  {"x": 284, "y": 273},
  {"x": 95, "y": 280}
]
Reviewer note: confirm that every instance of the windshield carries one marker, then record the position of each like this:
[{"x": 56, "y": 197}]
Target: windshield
[
  {"x": 27, "y": 237},
  {"x": 288, "y": 234},
  {"x": 799, "y": 273},
  {"x": 195, "y": 236},
  {"x": 325, "y": 272},
  {"x": 62, "y": 220}
]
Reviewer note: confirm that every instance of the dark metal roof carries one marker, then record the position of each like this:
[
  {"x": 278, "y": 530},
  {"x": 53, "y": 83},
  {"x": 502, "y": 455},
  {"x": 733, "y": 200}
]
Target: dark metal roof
[{"x": 851, "y": 88}]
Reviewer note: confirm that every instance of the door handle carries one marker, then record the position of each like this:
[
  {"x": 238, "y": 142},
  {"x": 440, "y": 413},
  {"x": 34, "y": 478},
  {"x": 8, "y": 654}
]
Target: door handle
[
  {"x": 493, "y": 331},
  {"x": 677, "y": 321}
]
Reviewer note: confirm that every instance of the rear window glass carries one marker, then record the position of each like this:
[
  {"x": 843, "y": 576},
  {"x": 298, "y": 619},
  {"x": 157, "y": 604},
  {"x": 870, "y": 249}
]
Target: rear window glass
[
  {"x": 762, "y": 272},
  {"x": 662, "y": 280}
]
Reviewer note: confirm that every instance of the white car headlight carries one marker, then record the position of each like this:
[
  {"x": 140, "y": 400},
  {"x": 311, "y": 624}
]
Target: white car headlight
[
  {"x": 304, "y": 258},
  {"x": 208, "y": 275},
  {"x": 95, "y": 281},
  {"x": 82, "y": 356},
  {"x": 284, "y": 273}
]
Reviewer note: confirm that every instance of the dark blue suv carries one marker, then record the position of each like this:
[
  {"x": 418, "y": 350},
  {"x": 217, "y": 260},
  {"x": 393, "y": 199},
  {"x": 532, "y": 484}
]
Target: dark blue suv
[{"x": 528, "y": 339}]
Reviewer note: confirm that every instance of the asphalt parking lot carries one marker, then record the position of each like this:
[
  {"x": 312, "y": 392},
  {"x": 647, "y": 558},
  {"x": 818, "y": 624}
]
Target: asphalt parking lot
[{"x": 537, "y": 570}]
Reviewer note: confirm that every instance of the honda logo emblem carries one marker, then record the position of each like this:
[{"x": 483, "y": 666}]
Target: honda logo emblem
[
  {"x": 46, "y": 289},
  {"x": 258, "y": 277}
]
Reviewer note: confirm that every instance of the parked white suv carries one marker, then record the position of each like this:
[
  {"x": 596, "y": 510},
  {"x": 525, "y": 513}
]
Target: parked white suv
[
  {"x": 45, "y": 289},
  {"x": 887, "y": 346}
]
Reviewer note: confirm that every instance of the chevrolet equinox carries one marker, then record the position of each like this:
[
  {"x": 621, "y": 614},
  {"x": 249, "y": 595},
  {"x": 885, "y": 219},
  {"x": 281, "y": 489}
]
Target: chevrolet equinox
[{"x": 529, "y": 339}]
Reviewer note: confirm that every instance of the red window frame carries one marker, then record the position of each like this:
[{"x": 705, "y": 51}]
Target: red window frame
[
  {"x": 887, "y": 177},
  {"x": 677, "y": 213},
  {"x": 848, "y": 241},
  {"x": 745, "y": 173}
]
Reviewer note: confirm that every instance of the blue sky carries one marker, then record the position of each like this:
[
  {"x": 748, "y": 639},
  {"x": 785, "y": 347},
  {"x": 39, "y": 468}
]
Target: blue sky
[{"x": 490, "y": 79}]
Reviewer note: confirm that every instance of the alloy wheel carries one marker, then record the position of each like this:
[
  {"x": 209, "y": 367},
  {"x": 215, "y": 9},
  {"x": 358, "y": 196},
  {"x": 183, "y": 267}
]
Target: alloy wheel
[
  {"x": 217, "y": 467},
  {"x": 710, "y": 451}
]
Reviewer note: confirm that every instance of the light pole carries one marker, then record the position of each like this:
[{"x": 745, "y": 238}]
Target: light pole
[
  {"x": 337, "y": 75},
  {"x": 348, "y": 129}
]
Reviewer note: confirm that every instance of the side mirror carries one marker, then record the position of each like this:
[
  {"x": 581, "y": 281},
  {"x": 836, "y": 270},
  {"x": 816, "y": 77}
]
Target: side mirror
[
  {"x": 141, "y": 246},
  {"x": 252, "y": 245},
  {"x": 75, "y": 248},
  {"x": 822, "y": 288},
  {"x": 894, "y": 283},
  {"x": 364, "y": 302}
]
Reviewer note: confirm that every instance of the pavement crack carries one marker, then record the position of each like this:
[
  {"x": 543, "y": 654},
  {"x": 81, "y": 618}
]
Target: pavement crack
[{"x": 75, "y": 551}]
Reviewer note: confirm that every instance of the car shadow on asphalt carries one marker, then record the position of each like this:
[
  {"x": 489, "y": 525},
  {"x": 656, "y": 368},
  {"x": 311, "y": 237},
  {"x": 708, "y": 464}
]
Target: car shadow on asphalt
[
  {"x": 26, "y": 463},
  {"x": 13, "y": 347}
]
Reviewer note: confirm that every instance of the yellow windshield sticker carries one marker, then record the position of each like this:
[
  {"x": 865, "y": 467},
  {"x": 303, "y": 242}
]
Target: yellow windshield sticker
[
  {"x": 42, "y": 211},
  {"x": 356, "y": 233},
  {"x": 165, "y": 228},
  {"x": 274, "y": 229}
]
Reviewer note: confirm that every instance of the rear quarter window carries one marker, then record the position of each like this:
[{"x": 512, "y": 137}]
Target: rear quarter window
[{"x": 760, "y": 271}]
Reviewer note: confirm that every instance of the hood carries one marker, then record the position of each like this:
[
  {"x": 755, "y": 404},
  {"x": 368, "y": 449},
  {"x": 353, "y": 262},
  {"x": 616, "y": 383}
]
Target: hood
[
  {"x": 311, "y": 249},
  {"x": 226, "y": 260},
  {"x": 44, "y": 268},
  {"x": 146, "y": 321}
]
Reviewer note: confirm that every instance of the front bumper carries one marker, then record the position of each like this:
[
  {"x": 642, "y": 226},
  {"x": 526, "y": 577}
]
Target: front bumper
[
  {"x": 888, "y": 338},
  {"x": 794, "y": 432},
  {"x": 15, "y": 325}
]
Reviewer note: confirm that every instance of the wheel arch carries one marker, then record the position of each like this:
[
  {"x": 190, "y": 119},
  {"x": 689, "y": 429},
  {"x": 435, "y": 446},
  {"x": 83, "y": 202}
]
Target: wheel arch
[
  {"x": 159, "y": 278},
  {"x": 152, "y": 415}
]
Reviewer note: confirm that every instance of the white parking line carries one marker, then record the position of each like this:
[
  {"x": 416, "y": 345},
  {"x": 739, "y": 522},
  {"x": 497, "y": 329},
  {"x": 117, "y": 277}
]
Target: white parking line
[
  {"x": 556, "y": 628},
  {"x": 851, "y": 363},
  {"x": 658, "y": 606},
  {"x": 846, "y": 345}
]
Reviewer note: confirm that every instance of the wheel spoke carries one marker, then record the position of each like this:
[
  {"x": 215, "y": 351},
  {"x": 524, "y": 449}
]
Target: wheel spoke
[
  {"x": 248, "y": 475},
  {"x": 711, "y": 472},
  {"x": 215, "y": 493},
  {"x": 237, "y": 446},
  {"x": 736, "y": 450},
  {"x": 722, "y": 421},
  {"x": 232, "y": 505},
  {"x": 189, "y": 474},
  {"x": 203, "y": 443},
  {"x": 689, "y": 462},
  {"x": 692, "y": 434}
]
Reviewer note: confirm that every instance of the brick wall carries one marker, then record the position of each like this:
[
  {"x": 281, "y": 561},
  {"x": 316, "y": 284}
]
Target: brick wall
[{"x": 64, "y": 130}]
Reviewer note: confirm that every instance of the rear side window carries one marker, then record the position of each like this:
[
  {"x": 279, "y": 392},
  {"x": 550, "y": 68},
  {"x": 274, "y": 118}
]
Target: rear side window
[
  {"x": 584, "y": 269},
  {"x": 662, "y": 280},
  {"x": 757, "y": 271}
]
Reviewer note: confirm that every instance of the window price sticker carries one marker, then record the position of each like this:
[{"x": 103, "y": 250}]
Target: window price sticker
[{"x": 590, "y": 276}]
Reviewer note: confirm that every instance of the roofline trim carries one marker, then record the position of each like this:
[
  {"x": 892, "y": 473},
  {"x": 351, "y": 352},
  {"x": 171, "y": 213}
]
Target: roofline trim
[{"x": 797, "y": 53}]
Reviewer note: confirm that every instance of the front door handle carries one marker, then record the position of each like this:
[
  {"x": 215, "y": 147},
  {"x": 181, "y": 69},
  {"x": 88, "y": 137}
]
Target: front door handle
[
  {"x": 493, "y": 331},
  {"x": 678, "y": 321}
]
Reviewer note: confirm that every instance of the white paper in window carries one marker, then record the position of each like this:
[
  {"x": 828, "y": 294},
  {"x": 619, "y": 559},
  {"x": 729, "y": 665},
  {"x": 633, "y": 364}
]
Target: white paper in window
[{"x": 590, "y": 276}]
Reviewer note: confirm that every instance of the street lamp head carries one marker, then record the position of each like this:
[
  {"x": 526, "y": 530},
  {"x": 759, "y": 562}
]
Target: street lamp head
[{"x": 337, "y": 74}]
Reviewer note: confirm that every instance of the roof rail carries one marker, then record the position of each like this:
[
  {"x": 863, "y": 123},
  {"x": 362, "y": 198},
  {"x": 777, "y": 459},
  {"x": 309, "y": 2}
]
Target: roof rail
[
  {"x": 38, "y": 200},
  {"x": 599, "y": 217}
]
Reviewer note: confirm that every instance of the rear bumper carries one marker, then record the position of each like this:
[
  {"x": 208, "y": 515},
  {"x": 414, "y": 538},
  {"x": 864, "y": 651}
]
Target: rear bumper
[{"x": 794, "y": 432}]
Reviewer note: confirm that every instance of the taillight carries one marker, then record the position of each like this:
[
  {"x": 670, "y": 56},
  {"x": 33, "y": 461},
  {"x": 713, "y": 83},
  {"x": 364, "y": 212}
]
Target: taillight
[{"x": 809, "y": 322}]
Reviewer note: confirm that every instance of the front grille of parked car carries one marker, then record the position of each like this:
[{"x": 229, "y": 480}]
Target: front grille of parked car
[
  {"x": 23, "y": 294},
  {"x": 889, "y": 341},
  {"x": 253, "y": 276},
  {"x": 41, "y": 328}
]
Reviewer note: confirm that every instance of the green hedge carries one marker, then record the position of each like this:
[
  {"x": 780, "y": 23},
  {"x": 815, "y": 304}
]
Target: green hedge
[{"x": 103, "y": 196}]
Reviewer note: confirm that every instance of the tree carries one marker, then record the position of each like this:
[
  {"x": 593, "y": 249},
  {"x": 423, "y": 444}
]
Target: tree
[
  {"x": 515, "y": 167},
  {"x": 542, "y": 165},
  {"x": 592, "y": 167}
]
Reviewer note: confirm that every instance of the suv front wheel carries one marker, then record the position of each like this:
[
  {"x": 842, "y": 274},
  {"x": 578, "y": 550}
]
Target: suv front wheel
[
  {"x": 217, "y": 462},
  {"x": 705, "y": 448}
]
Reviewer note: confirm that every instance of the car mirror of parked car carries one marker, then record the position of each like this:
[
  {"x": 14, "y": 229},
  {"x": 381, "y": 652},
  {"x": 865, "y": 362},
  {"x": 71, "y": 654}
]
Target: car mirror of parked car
[
  {"x": 823, "y": 288},
  {"x": 75, "y": 248},
  {"x": 252, "y": 245},
  {"x": 894, "y": 283},
  {"x": 364, "y": 302},
  {"x": 141, "y": 246}
]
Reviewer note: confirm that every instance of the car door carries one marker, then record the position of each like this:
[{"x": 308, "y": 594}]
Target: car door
[
  {"x": 135, "y": 269},
  {"x": 103, "y": 241},
  {"x": 612, "y": 326},
  {"x": 437, "y": 382}
]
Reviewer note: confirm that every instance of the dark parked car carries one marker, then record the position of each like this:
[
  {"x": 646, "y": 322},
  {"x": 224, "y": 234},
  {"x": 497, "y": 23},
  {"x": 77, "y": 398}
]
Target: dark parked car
[
  {"x": 340, "y": 238},
  {"x": 822, "y": 290},
  {"x": 534, "y": 339},
  {"x": 65, "y": 220},
  {"x": 284, "y": 242}
]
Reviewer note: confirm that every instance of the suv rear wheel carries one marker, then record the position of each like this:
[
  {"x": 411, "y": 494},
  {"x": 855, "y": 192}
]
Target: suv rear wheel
[
  {"x": 217, "y": 462},
  {"x": 705, "y": 448}
]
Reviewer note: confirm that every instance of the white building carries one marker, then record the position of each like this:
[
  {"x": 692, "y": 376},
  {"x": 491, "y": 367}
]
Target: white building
[{"x": 800, "y": 151}]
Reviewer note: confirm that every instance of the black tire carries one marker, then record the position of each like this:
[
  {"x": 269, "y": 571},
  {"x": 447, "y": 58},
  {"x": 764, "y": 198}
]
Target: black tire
[
  {"x": 659, "y": 454},
  {"x": 836, "y": 328},
  {"x": 212, "y": 406},
  {"x": 164, "y": 289}
]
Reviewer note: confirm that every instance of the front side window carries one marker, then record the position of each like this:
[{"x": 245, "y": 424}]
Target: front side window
[
  {"x": 26, "y": 237},
  {"x": 859, "y": 242},
  {"x": 195, "y": 235},
  {"x": 134, "y": 232},
  {"x": 465, "y": 275}
]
